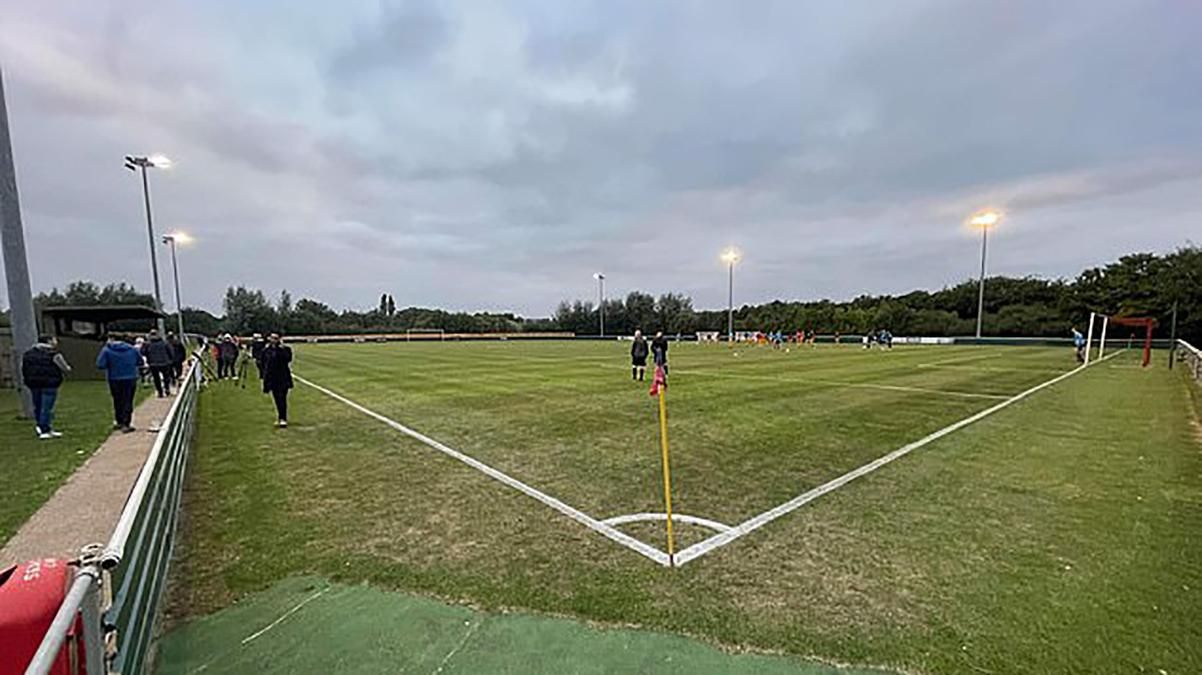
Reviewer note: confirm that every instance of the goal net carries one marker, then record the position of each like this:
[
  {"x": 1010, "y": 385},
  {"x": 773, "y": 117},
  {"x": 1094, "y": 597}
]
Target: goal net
[
  {"x": 1112, "y": 327},
  {"x": 425, "y": 334}
]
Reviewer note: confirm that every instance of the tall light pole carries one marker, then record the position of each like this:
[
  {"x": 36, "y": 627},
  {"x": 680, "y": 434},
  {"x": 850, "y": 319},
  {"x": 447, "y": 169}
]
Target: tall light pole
[
  {"x": 601, "y": 299},
  {"x": 143, "y": 163},
  {"x": 984, "y": 220},
  {"x": 16, "y": 264},
  {"x": 730, "y": 256},
  {"x": 171, "y": 240}
]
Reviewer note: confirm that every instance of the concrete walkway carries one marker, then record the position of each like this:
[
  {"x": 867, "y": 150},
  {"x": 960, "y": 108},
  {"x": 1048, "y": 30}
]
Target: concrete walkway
[{"x": 87, "y": 506}]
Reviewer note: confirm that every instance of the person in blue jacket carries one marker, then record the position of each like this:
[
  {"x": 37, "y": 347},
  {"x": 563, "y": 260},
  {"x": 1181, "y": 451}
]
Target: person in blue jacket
[
  {"x": 120, "y": 361},
  {"x": 1079, "y": 345}
]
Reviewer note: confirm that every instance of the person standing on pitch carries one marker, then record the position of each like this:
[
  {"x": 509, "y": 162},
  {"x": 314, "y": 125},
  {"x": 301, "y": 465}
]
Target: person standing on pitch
[
  {"x": 659, "y": 351},
  {"x": 121, "y": 361},
  {"x": 43, "y": 369},
  {"x": 1079, "y": 345},
  {"x": 158, "y": 358},
  {"x": 638, "y": 356},
  {"x": 277, "y": 375},
  {"x": 257, "y": 345},
  {"x": 227, "y": 357}
]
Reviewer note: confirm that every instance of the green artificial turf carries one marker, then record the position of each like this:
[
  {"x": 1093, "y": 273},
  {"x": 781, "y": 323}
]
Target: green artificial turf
[{"x": 1058, "y": 535}]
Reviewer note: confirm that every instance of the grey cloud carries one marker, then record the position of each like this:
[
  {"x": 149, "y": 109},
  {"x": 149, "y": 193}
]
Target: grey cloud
[
  {"x": 516, "y": 148},
  {"x": 401, "y": 36}
]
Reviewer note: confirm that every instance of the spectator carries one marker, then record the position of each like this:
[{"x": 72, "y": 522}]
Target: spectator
[
  {"x": 257, "y": 346},
  {"x": 277, "y": 375},
  {"x": 659, "y": 350},
  {"x": 121, "y": 361},
  {"x": 159, "y": 356},
  {"x": 638, "y": 356},
  {"x": 43, "y": 368},
  {"x": 227, "y": 357},
  {"x": 179, "y": 354},
  {"x": 143, "y": 369}
]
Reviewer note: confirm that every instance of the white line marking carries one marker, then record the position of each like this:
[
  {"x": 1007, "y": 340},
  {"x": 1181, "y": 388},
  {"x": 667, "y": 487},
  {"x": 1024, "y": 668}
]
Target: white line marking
[
  {"x": 573, "y": 513},
  {"x": 988, "y": 369},
  {"x": 756, "y": 522},
  {"x": 676, "y": 518},
  {"x": 462, "y": 641},
  {"x": 836, "y": 383},
  {"x": 287, "y": 614}
]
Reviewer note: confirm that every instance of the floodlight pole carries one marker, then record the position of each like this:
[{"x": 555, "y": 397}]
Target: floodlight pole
[
  {"x": 1173, "y": 337},
  {"x": 179, "y": 307},
  {"x": 981, "y": 284},
  {"x": 143, "y": 163},
  {"x": 16, "y": 263},
  {"x": 730, "y": 305},
  {"x": 601, "y": 300}
]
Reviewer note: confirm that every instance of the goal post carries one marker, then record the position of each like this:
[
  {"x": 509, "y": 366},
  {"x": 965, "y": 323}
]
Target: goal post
[
  {"x": 1105, "y": 320},
  {"x": 425, "y": 334}
]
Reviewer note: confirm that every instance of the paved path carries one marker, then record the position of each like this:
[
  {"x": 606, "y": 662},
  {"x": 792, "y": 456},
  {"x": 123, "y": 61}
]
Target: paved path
[{"x": 86, "y": 507}]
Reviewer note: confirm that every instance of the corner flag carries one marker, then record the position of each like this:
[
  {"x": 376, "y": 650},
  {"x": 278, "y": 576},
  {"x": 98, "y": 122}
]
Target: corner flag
[{"x": 659, "y": 384}]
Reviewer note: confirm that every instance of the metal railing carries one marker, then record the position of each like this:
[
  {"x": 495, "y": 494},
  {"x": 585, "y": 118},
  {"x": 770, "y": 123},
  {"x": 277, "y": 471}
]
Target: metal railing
[
  {"x": 1191, "y": 358},
  {"x": 116, "y": 592}
]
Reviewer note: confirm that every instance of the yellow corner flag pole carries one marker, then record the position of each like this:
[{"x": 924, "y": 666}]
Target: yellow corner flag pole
[{"x": 663, "y": 441}]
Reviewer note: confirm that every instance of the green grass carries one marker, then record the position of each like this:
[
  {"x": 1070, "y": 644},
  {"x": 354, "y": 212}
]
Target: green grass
[
  {"x": 34, "y": 469},
  {"x": 1059, "y": 535}
]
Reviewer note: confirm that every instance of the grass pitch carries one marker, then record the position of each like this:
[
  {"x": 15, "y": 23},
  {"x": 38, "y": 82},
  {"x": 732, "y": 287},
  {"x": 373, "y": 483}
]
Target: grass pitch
[
  {"x": 1058, "y": 535},
  {"x": 34, "y": 469}
]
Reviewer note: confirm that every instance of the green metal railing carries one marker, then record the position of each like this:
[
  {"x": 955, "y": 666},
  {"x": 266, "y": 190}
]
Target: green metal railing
[{"x": 118, "y": 588}]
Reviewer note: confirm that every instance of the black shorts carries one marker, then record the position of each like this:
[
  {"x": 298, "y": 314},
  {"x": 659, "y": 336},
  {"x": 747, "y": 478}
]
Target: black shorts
[{"x": 638, "y": 361}]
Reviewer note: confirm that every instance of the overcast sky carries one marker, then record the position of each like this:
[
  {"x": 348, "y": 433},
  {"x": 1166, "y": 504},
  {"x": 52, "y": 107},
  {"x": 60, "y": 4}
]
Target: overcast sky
[{"x": 493, "y": 155}]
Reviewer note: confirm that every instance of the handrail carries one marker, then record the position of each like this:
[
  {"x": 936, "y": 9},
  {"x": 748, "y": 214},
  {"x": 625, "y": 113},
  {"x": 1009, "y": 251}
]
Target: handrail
[
  {"x": 152, "y": 505},
  {"x": 111, "y": 557}
]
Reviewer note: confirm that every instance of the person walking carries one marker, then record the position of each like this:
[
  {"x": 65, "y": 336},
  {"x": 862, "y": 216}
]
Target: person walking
[
  {"x": 179, "y": 354},
  {"x": 228, "y": 357},
  {"x": 43, "y": 369},
  {"x": 277, "y": 375},
  {"x": 659, "y": 351},
  {"x": 159, "y": 358},
  {"x": 121, "y": 361},
  {"x": 638, "y": 356},
  {"x": 143, "y": 369},
  {"x": 257, "y": 345}
]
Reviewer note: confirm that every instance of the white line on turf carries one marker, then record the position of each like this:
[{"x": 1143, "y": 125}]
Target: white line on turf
[
  {"x": 756, "y": 522},
  {"x": 676, "y": 518},
  {"x": 285, "y": 615},
  {"x": 573, "y": 513}
]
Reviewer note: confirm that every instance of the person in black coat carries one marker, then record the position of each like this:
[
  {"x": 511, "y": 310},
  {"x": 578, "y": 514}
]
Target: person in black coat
[
  {"x": 638, "y": 356},
  {"x": 659, "y": 350},
  {"x": 277, "y": 375},
  {"x": 179, "y": 354},
  {"x": 159, "y": 356},
  {"x": 257, "y": 345},
  {"x": 227, "y": 357}
]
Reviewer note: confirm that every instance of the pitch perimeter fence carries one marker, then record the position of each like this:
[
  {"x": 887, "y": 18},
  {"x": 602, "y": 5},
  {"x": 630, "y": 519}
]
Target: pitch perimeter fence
[
  {"x": 113, "y": 602},
  {"x": 1191, "y": 358}
]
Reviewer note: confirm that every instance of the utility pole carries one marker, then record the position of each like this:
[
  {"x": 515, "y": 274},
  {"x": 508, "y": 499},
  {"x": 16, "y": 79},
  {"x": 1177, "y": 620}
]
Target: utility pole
[
  {"x": 1173, "y": 337},
  {"x": 16, "y": 264}
]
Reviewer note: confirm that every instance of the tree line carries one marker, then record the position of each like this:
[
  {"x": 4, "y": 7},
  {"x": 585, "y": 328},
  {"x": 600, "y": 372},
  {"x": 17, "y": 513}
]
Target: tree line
[{"x": 1142, "y": 284}]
